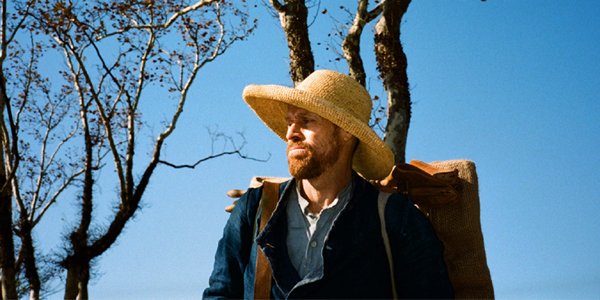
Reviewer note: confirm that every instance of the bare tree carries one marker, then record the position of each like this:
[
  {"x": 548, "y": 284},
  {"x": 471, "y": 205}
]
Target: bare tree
[
  {"x": 33, "y": 145},
  {"x": 42, "y": 131},
  {"x": 8, "y": 270},
  {"x": 118, "y": 56},
  {"x": 161, "y": 45}
]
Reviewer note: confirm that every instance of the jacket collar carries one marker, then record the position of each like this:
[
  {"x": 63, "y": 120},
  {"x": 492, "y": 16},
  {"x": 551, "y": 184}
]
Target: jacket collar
[{"x": 272, "y": 240}]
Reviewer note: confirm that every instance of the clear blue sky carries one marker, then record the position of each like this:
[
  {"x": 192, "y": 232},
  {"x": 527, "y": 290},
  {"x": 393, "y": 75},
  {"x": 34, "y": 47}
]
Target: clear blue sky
[{"x": 512, "y": 85}]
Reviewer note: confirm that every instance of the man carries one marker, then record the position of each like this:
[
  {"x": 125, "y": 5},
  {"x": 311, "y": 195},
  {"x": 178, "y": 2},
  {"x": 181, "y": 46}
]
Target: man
[{"x": 324, "y": 238}]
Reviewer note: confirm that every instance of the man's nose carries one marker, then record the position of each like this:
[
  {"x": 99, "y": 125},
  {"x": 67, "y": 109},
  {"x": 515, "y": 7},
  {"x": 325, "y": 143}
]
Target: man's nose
[{"x": 293, "y": 132}]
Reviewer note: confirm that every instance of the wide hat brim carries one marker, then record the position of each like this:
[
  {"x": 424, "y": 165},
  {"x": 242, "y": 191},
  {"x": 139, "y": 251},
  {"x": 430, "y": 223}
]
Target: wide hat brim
[{"x": 373, "y": 159}]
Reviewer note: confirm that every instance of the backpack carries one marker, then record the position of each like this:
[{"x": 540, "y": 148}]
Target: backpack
[{"x": 445, "y": 191}]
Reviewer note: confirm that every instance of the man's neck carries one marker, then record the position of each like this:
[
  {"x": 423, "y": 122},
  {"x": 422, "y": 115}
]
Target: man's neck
[{"x": 322, "y": 191}]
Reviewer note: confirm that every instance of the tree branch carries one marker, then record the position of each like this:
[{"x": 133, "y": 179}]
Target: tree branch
[
  {"x": 279, "y": 7},
  {"x": 227, "y": 140},
  {"x": 6, "y": 41},
  {"x": 36, "y": 219},
  {"x": 188, "y": 9},
  {"x": 195, "y": 164},
  {"x": 351, "y": 44},
  {"x": 66, "y": 184},
  {"x": 79, "y": 236},
  {"x": 165, "y": 25},
  {"x": 105, "y": 66},
  {"x": 69, "y": 49},
  {"x": 375, "y": 12}
]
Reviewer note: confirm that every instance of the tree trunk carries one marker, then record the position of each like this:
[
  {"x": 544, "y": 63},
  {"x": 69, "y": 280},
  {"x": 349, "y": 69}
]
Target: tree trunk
[
  {"x": 7, "y": 251},
  {"x": 293, "y": 17},
  {"x": 351, "y": 43},
  {"x": 78, "y": 276},
  {"x": 29, "y": 261},
  {"x": 8, "y": 282},
  {"x": 392, "y": 65},
  {"x": 78, "y": 262},
  {"x": 78, "y": 268}
]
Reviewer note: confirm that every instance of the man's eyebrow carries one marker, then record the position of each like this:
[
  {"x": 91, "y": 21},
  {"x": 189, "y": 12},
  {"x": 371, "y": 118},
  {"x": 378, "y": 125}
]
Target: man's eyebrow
[
  {"x": 296, "y": 115},
  {"x": 310, "y": 114}
]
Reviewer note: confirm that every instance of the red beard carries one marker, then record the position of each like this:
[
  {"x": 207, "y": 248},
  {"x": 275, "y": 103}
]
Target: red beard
[{"x": 312, "y": 164}]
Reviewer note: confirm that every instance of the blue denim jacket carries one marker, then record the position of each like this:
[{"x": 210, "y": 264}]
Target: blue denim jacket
[{"x": 354, "y": 257}]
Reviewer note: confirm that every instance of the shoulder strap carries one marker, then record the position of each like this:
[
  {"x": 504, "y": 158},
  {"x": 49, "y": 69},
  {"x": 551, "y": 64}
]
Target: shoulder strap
[
  {"x": 263, "y": 272},
  {"x": 381, "y": 203}
]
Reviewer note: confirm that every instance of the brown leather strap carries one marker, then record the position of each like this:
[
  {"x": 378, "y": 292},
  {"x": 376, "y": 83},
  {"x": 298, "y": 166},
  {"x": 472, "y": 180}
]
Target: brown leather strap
[
  {"x": 262, "y": 279},
  {"x": 381, "y": 204},
  {"x": 423, "y": 182}
]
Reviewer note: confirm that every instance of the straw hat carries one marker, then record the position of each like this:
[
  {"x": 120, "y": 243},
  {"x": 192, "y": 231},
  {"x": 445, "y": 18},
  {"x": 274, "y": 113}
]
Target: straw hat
[{"x": 335, "y": 97}]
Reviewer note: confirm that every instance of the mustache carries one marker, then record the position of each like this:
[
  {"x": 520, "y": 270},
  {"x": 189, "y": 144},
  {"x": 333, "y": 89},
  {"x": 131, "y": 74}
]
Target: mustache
[
  {"x": 294, "y": 144},
  {"x": 299, "y": 144}
]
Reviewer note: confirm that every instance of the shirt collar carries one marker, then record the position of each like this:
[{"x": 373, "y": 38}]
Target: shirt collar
[{"x": 341, "y": 197}]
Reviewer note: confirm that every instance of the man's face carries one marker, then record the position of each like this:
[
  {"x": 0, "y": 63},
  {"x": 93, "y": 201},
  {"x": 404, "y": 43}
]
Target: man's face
[{"x": 312, "y": 143}]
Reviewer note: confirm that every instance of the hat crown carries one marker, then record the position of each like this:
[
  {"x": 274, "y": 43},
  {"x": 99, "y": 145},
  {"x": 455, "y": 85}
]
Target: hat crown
[{"x": 340, "y": 90}]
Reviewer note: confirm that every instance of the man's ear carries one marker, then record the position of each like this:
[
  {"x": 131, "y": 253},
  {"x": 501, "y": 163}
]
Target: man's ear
[{"x": 348, "y": 138}]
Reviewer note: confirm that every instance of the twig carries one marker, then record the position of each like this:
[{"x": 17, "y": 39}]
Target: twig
[{"x": 194, "y": 165}]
